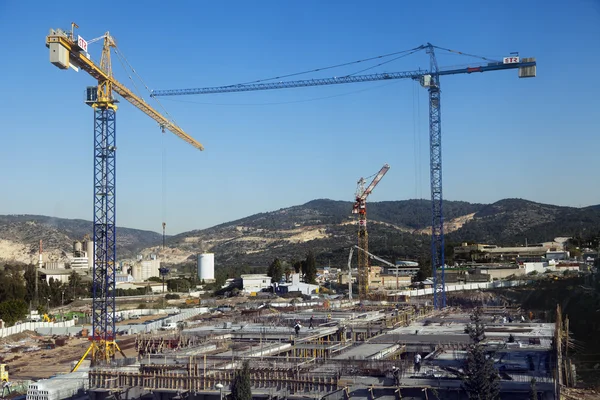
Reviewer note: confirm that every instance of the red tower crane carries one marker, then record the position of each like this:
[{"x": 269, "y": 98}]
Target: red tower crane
[{"x": 360, "y": 208}]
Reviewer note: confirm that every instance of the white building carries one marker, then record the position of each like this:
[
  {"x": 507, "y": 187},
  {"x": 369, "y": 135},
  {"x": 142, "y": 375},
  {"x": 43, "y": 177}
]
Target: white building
[
  {"x": 297, "y": 286},
  {"x": 539, "y": 267},
  {"x": 60, "y": 275},
  {"x": 253, "y": 283},
  {"x": 80, "y": 263},
  {"x": 54, "y": 265},
  {"x": 144, "y": 269},
  {"x": 403, "y": 269}
]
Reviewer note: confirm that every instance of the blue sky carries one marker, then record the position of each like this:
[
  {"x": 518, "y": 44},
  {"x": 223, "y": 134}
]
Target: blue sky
[{"x": 502, "y": 136}]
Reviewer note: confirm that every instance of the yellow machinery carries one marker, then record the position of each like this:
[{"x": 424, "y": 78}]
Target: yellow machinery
[
  {"x": 70, "y": 51},
  {"x": 4, "y": 372}
]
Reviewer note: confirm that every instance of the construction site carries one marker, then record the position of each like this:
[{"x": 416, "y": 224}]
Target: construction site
[
  {"x": 343, "y": 351},
  {"x": 366, "y": 346}
]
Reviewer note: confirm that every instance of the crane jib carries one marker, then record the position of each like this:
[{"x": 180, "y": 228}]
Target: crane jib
[{"x": 417, "y": 75}]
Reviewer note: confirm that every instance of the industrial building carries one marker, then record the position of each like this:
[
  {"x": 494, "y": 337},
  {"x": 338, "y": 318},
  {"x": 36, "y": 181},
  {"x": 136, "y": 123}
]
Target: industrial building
[
  {"x": 143, "y": 269},
  {"x": 83, "y": 255},
  {"x": 475, "y": 252}
]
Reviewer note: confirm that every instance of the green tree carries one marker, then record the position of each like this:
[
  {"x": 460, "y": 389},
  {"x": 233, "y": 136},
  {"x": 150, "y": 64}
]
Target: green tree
[
  {"x": 178, "y": 285},
  {"x": 297, "y": 265},
  {"x": 476, "y": 329},
  {"x": 479, "y": 379},
  {"x": 29, "y": 277},
  {"x": 57, "y": 288},
  {"x": 13, "y": 310},
  {"x": 423, "y": 273},
  {"x": 310, "y": 268},
  {"x": 275, "y": 270},
  {"x": 533, "y": 390},
  {"x": 240, "y": 387},
  {"x": 12, "y": 284},
  {"x": 75, "y": 288}
]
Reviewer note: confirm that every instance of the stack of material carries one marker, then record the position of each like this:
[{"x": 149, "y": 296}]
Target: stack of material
[{"x": 59, "y": 387}]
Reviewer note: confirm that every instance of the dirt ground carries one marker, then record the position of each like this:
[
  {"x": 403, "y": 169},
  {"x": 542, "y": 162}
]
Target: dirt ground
[
  {"x": 579, "y": 394},
  {"x": 30, "y": 357}
]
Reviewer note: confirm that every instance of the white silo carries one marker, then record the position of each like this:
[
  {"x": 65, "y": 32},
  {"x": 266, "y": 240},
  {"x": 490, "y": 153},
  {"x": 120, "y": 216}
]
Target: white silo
[
  {"x": 206, "y": 267},
  {"x": 77, "y": 247},
  {"x": 136, "y": 272},
  {"x": 89, "y": 249}
]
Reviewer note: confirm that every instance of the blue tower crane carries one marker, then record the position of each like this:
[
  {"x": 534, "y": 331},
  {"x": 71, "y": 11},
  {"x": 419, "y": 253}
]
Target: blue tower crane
[{"x": 429, "y": 79}]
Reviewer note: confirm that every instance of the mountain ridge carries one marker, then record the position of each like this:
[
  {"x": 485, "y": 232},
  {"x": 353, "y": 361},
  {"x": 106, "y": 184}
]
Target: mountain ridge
[{"x": 397, "y": 229}]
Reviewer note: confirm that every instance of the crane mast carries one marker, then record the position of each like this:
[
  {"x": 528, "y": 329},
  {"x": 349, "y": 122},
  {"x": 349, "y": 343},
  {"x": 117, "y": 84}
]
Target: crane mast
[
  {"x": 66, "y": 51},
  {"x": 360, "y": 208},
  {"x": 430, "y": 79}
]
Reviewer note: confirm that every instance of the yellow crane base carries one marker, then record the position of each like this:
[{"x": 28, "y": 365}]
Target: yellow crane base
[{"x": 102, "y": 351}]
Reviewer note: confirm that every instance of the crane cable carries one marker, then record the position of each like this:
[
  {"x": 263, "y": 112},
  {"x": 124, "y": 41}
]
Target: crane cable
[
  {"x": 465, "y": 54},
  {"x": 121, "y": 55},
  {"x": 386, "y": 62},
  {"x": 335, "y": 66},
  {"x": 415, "y": 154},
  {"x": 123, "y": 60}
]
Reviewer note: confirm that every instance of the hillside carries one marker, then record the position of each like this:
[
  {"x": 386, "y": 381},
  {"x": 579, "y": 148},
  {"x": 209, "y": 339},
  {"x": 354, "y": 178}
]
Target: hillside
[
  {"x": 512, "y": 221},
  {"x": 20, "y": 236},
  {"x": 397, "y": 230},
  {"x": 325, "y": 226}
]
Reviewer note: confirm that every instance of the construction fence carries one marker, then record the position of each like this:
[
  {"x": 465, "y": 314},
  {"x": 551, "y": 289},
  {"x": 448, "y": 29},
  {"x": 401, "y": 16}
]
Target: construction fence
[
  {"x": 33, "y": 326},
  {"x": 467, "y": 286},
  {"x": 70, "y": 329}
]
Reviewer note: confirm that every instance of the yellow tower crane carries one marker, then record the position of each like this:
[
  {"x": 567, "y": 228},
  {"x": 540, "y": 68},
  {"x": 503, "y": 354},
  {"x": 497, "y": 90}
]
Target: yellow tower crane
[{"x": 68, "y": 51}]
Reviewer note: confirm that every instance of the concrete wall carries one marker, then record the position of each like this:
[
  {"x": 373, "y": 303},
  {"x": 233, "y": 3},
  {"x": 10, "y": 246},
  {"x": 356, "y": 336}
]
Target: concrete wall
[
  {"x": 468, "y": 286},
  {"x": 501, "y": 273},
  {"x": 129, "y": 328},
  {"x": 33, "y": 326}
]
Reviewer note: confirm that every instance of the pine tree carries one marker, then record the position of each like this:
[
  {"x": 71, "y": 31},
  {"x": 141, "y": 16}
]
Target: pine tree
[
  {"x": 480, "y": 378},
  {"x": 297, "y": 265},
  {"x": 275, "y": 270},
  {"x": 240, "y": 387},
  {"x": 310, "y": 268}
]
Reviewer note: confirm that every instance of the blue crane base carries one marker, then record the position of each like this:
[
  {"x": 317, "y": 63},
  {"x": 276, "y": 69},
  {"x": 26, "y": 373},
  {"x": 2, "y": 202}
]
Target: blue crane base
[{"x": 103, "y": 284}]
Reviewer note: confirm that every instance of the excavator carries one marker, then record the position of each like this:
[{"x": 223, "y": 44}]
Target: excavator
[{"x": 48, "y": 318}]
